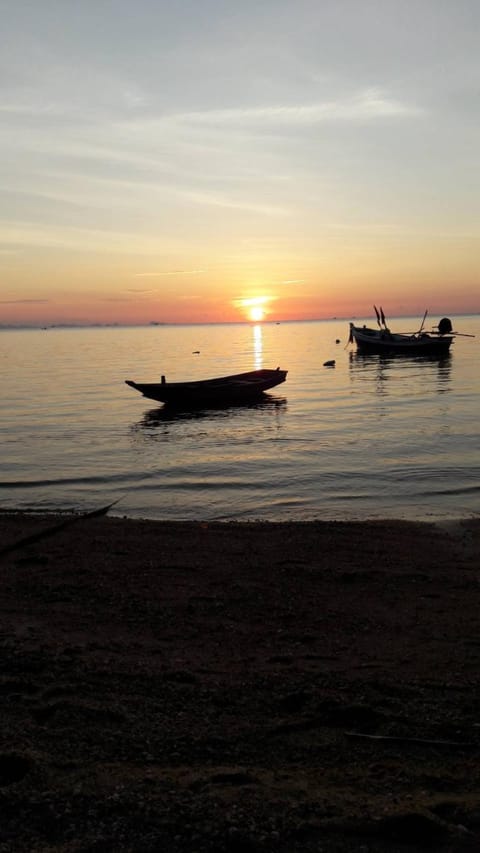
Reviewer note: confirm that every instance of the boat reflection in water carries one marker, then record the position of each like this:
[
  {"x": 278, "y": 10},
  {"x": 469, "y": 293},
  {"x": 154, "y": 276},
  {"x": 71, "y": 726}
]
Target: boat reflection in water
[
  {"x": 170, "y": 414},
  {"x": 408, "y": 374}
]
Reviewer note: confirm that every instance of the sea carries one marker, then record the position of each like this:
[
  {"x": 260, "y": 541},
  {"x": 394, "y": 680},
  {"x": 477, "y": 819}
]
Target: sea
[{"x": 371, "y": 437}]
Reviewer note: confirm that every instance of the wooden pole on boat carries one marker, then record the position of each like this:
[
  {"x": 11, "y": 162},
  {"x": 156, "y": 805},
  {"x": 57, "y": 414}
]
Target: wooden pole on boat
[
  {"x": 423, "y": 321},
  {"x": 378, "y": 317}
]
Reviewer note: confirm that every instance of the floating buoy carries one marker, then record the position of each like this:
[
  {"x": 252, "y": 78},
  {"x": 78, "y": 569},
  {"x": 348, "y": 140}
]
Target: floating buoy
[{"x": 329, "y": 363}]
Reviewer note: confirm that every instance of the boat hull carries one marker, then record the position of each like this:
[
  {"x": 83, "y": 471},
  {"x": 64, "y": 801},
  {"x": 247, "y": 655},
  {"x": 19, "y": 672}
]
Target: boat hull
[
  {"x": 383, "y": 341},
  {"x": 239, "y": 388}
]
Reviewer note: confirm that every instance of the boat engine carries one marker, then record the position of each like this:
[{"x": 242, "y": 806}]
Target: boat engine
[{"x": 445, "y": 326}]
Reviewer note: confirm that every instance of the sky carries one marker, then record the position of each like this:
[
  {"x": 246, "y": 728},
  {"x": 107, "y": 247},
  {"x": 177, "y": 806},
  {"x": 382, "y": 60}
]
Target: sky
[{"x": 209, "y": 160}]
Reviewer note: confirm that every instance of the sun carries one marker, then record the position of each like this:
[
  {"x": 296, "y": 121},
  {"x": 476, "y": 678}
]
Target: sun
[
  {"x": 254, "y": 307},
  {"x": 256, "y": 314}
]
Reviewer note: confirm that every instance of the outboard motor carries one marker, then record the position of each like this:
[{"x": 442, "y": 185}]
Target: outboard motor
[{"x": 445, "y": 326}]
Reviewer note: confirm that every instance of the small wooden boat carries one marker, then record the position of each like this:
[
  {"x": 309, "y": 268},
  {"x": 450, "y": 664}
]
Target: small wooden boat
[
  {"x": 382, "y": 340},
  {"x": 239, "y": 388}
]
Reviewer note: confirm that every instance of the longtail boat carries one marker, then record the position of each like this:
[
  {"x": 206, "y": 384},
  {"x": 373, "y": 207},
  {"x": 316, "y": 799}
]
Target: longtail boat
[
  {"x": 437, "y": 341},
  {"x": 240, "y": 387}
]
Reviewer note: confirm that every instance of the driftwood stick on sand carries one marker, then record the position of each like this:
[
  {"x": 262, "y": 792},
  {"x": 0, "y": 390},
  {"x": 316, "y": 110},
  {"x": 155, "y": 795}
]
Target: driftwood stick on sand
[
  {"x": 416, "y": 740},
  {"x": 56, "y": 528}
]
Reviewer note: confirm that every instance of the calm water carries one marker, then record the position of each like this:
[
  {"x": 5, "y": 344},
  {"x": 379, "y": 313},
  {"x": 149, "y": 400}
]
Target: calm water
[{"x": 371, "y": 437}]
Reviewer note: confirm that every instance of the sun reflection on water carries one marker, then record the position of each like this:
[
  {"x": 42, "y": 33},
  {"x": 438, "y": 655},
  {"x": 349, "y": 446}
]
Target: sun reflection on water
[{"x": 258, "y": 346}]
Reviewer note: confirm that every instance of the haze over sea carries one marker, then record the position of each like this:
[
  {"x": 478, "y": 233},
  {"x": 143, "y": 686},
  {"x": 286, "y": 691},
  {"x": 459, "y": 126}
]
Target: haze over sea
[{"x": 369, "y": 438}]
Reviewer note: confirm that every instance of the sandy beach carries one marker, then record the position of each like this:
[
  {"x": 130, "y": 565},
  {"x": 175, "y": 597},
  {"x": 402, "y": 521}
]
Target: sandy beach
[{"x": 239, "y": 687}]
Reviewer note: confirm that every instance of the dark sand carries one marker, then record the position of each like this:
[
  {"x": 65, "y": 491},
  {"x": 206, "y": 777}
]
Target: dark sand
[{"x": 240, "y": 687}]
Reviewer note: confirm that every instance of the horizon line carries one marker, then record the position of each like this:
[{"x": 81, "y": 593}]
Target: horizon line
[{"x": 160, "y": 323}]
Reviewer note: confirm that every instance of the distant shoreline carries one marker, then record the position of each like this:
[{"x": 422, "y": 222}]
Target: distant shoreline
[{"x": 168, "y": 324}]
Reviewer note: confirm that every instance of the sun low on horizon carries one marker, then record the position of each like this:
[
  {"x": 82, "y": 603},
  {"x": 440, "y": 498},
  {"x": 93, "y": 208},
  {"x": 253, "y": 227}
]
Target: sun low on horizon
[
  {"x": 257, "y": 314},
  {"x": 254, "y": 308}
]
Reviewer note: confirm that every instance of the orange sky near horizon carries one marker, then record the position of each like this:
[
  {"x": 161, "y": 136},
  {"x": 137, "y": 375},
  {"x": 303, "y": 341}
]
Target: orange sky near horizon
[
  {"x": 81, "y": 310},
  {"x": 86, "y": 294}
]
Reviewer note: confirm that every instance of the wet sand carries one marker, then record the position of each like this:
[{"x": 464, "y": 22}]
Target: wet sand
[{"x": 239, "y": 687}]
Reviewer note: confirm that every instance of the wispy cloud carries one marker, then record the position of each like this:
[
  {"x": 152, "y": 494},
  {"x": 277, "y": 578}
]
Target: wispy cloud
[
  {"x": 87, "y": 239},
  {"x": 168, "y": 273},
  {"x": 251, "y": 301},
  {"x": 30, "y": 109},
  {"x": 218, "y": 200},
  {"x": 370, "y": 104},
  {"x": 24, "y": 301}
]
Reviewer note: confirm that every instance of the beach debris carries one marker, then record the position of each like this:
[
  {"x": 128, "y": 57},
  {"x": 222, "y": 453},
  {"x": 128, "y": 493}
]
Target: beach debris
[
  {"x": 414, "y": 740},
  {"x": 56, "y": 528},
  {"x": 330, "y": 363}
]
